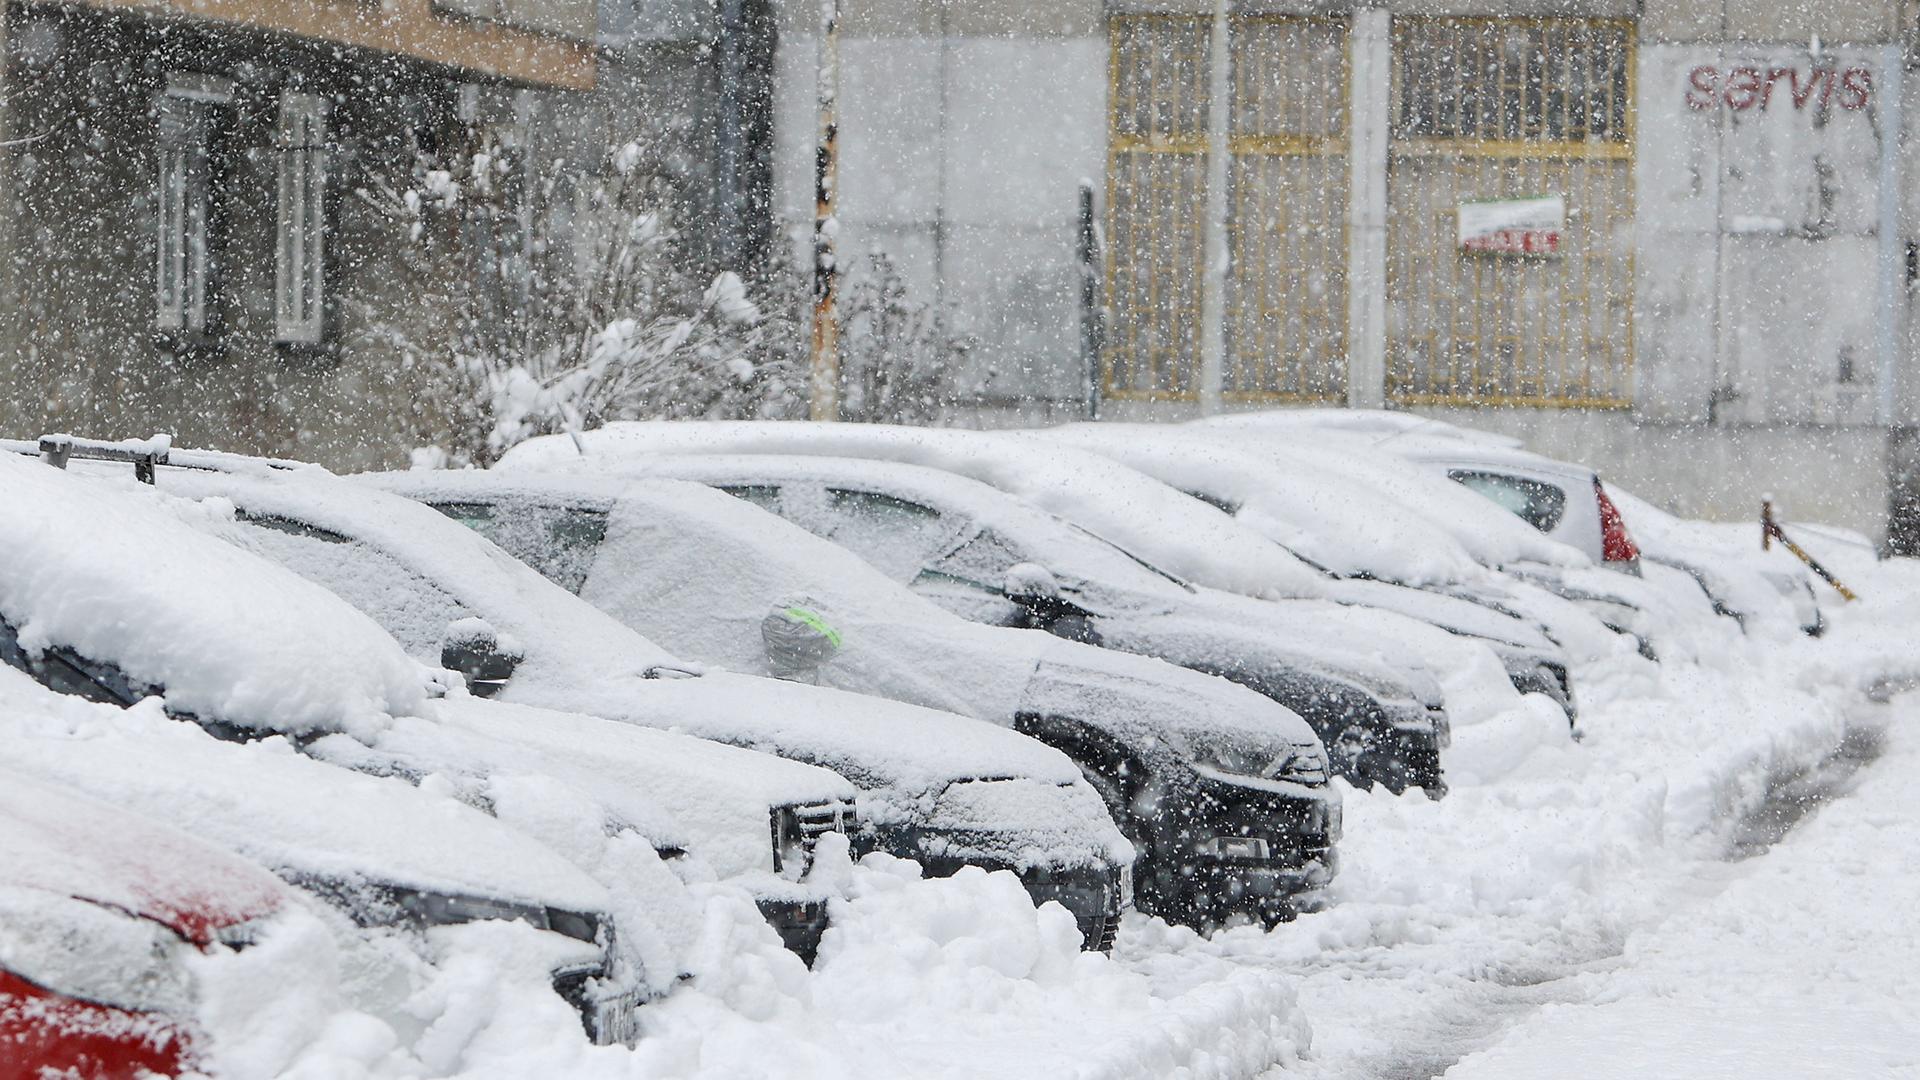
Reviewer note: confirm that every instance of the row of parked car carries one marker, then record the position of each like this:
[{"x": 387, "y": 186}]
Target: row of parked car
[{"x": 1121, "y": 662}]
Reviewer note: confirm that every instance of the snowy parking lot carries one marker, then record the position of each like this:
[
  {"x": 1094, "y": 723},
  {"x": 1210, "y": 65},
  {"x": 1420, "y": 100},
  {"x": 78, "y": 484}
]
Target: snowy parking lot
[
  {"x": 1716, "y": 874},
  {"x": 1699, "y": 871}
]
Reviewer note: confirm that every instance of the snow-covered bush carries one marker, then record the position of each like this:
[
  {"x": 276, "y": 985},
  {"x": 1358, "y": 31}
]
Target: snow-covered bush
[
  {"x": 899, "y": 356},
  {"x": 572, "y": 299}
]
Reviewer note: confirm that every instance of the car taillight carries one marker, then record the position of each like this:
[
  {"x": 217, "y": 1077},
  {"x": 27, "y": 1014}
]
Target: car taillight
[
  {"x": 1616, "y": 544},
  {"x": 94, "y": 953}
]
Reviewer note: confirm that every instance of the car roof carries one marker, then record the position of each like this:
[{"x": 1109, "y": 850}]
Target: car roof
[
  {"x": 1136, "y": 512},
  {"x": 1345, "y": 526},
  {"x": 57, "y": 840},
  {"x": 1385, "y": 426}
]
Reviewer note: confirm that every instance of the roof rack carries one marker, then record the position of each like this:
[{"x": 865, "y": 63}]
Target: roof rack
[{"x": 143, "y": 454}]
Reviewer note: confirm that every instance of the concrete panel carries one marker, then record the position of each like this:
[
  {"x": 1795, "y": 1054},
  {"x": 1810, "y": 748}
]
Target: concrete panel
[
  {"x": 1677, "y": 169},
  {"x": 1799, "y": 320},
  {"x": 1808, "y": 170},
  {"x": 1679, "y": 20},
  {"x": 862, "y": 18},
  {"x": 1674, "y": 340},
  {"x": 1023, "y": 18},
  {"x": 890, "y": 129},
  {"x": 1858, "y": 21},
  {"x": 794, "y": 74},
  {"x": 1018, "y": 293},
  {"x": 915, "y": 250},
  {"x": 1590, "y": 9},
  {"x": 1027, "y": 123}
]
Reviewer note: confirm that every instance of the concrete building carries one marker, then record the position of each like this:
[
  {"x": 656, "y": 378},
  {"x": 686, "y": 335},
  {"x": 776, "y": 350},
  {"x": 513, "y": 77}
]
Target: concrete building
[
  {"x": 183, "y": 251},
  {"x": 1673, "y": 238}
]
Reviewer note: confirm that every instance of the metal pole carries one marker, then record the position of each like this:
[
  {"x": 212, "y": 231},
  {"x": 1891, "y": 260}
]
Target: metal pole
[
  {"x": 1090, "y": 299},
  {"x": 825, "y": 398},
  {"x": 1213, "y": 273},
  {"x": 730, "y": 136}
]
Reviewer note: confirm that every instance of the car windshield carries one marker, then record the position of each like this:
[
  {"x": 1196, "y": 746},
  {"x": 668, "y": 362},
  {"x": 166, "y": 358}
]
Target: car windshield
[{"x": 558, "y": 541}]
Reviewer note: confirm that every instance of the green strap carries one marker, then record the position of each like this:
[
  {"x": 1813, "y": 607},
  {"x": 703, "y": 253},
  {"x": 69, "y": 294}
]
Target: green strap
[{"x": 813, "y": 619}]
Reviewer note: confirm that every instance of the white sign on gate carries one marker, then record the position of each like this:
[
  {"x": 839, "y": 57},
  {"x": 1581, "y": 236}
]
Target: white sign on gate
[{"x": 1514, "y": 226}]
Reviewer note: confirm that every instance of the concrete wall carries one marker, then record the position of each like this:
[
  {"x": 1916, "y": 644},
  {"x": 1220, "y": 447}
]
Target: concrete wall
[
  {"x": 78, "y": 351},
  {"x": 966, "y": 128},
  {"x": 1764, "y": 309}
]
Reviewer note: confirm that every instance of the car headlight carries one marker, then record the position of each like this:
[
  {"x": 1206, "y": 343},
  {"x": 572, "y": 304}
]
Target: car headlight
[{"x": 1258, "y": 758}]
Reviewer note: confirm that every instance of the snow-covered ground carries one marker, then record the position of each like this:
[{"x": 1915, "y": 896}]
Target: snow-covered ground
[{"x": 1605, "y": 908}]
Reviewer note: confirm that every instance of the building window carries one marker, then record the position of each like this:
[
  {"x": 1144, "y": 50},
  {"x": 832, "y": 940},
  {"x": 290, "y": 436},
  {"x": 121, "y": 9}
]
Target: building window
[
  {"x": 188, "y": 115},
  {"x": 300, "y": 265}
]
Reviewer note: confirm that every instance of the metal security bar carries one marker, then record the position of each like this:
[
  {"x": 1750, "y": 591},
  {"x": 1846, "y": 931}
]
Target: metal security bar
[
  {"x": 1286, "y": 287},
  {"x": 1507, "y": 109},
  {"x": 1156, "y": 203},
  {"x": 1286, "y": 332}
]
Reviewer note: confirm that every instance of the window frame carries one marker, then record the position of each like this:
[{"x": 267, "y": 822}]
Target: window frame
[
  {"x": 302, "y": 300},
  {"x": 189, "y": 117}
]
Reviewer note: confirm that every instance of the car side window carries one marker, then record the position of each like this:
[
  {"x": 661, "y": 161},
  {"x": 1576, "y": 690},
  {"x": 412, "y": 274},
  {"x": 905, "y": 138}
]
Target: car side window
[
  {"x": 764, "y": 496},
  {"x": 406, "y": 605},
  {"x": 65, "y": 672},
  {"x": 1537, "y": 503},
  {"x": 896, "y": 535},
  {"x": 983, "y": 561},
  {"x": 559, "y": 541}
]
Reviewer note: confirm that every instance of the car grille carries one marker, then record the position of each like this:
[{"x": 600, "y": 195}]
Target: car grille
[
  {"x": 804, "y": 825},
  {"x": 1106, "y": 929}
]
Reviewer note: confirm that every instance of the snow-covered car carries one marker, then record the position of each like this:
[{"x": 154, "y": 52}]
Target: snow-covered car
[
  {"x": 931, "y": 786},
  {"x": 1746, "y": 584},
  {"x": 1412, "y": 526},
  {"x": 1561, "y": 499},
  {"x": 99, "y": 911},
  {"x": 205, "y": 671},
  {"x": 1242, "y": 817},
  {"x": 990, "y": 556},
  {"x": 1242, "y": 485},
  {"x": 387, "y": 855}
]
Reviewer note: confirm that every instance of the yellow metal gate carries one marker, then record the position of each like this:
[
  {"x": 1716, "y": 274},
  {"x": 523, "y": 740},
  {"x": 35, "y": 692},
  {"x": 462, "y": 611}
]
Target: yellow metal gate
[
  {"x": 1486, "y": 109},
  {"x": 1286, "y": 293}
]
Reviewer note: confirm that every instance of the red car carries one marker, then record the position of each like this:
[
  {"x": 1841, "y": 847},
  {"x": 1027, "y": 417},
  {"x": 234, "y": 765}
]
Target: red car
[{"x": 98, "y": 909}]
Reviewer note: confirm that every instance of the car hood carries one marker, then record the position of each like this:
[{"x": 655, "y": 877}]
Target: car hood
[
  {"x": 874, "y": 742},
  {"x": 681, "y": 792},
  {"x": 301, "y": 818},
  {"x": 1139, "y": 699},
  {"x": 57, "y": 840},
  {"x": 1447, "y": 612}
]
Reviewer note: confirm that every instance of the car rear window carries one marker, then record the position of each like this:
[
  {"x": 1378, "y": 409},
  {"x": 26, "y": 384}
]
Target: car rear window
[{"x": 1538, "y": 503}]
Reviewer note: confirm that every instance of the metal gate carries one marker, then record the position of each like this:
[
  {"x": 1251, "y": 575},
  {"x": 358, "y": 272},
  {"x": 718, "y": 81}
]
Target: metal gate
[
  {"x": 1511, "y": 108},
  {"x": 1286, "y": 291}
]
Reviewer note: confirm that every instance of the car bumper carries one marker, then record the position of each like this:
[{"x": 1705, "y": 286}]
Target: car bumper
[
  {"x": 800, "y": 924},
  {"x": 1255, "y": 852},
  {"x": 1095, "y": 896}
]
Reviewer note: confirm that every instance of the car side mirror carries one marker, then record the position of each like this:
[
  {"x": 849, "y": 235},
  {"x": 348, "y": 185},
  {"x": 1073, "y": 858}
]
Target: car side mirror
[
  {"x": 1030, "y": 585},
  {"x": 1043, "y": 607},
  {"x": 798, "y": 640},
  {"x": 472, "y": 647}
]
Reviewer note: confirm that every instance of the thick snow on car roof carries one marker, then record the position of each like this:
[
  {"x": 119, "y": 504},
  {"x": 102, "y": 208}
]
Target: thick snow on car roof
[
  {"x": 498, "y": 587},
  {"x": 581, "y": 660},
  {"x": 55, "y": 839},
  {"x": 109, "y": 570},
  {"x": 1142, "y": 515},
  {"x": 1348, "y": 530},
  {"x": 267, "y": 802},
  {"x": 1373, "y": 423},
  {"x": 1360, "y": 466},
  {"x": 701, "y": 568}
]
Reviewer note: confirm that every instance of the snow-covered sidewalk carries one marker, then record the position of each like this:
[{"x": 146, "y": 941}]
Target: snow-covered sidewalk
[{"x": 1795, "y": 964}]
